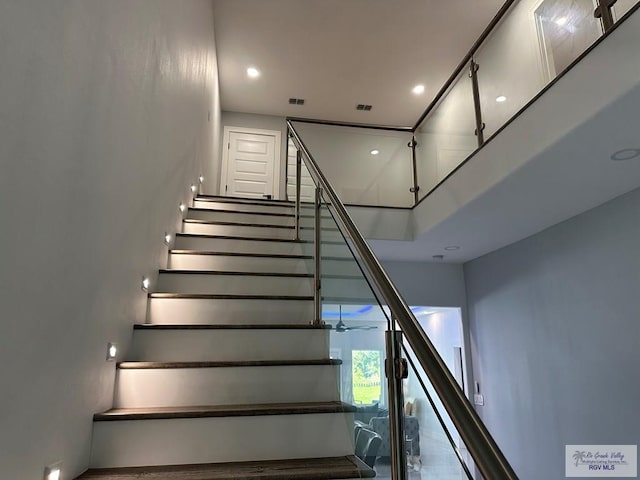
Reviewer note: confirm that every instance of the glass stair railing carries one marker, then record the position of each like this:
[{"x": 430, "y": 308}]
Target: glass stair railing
[{"x": 384, "y": 351}]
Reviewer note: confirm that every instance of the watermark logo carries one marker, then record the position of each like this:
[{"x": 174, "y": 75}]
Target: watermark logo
[{"x": 601, "y": 461}]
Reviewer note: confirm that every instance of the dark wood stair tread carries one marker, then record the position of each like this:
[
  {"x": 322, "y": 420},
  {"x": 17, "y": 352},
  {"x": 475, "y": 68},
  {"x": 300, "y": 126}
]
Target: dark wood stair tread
[
  {"x": 246, "y": 201},
  {"x": 225, "y": 272},
  {"x": 241, "y": 238},
  {"x": 237, "y": 224},
  {"x": 206, "y": 411},
  {"x": 224, "y": 364},
  {"x": 241, "y": 254},
  {"x": 229, "y": 326},
  {"x": 215, "y": 296},
  {"x": 298, "y": 469}
]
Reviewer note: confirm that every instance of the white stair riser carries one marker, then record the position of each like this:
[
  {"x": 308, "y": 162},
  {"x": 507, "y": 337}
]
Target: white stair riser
[
  {"x": 229, "y": 345},
  {"x": 260, "y": 285},
  {"x": 177, "y": 387},
  {"x": 229, "y": 311},
  {"x": 226, "y": 216},
  {"x": 238, "y": 230},
  {"x": 233, "y": 284},
  {"x": 259, "y": 264},
  {"x": 241, "y": 246},
  {"x": 227, "y": 439},
  {"x": 240, "y": 264},
  {"x": 327, "y": 234},
  {"x": 233, "y": 245},
  {"x": 243, "y": 207}
]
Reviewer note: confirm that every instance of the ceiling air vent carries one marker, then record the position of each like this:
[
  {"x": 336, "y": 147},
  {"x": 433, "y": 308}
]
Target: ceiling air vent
[
  {"x": 296, "y": 101},
  {"x": 362, "y": 106}
]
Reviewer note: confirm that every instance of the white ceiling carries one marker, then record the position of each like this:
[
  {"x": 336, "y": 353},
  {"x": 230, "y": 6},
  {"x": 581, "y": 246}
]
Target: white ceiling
[{"x": 338, "y": 53}]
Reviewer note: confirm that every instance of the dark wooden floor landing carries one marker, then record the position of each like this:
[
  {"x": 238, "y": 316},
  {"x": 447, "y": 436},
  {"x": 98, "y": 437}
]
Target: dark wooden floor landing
[{"x": 302, "y": 469}]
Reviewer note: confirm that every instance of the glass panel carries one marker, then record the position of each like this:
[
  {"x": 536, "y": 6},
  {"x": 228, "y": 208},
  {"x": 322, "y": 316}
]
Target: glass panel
[
  {"x": 622, "y": 7},
  {"x": 436, "y": 450},
  {"x": 536, "y": 41},
  {"x": 447, "y": 137},
  {"x": 364, "y": 166}
]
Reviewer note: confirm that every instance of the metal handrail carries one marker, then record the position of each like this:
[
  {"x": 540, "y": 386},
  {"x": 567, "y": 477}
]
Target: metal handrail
[{"x": 485, "y": 452}]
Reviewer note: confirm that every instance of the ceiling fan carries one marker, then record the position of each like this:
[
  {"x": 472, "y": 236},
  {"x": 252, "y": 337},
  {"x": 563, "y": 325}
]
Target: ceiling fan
[{"x": 342, "y": 327}]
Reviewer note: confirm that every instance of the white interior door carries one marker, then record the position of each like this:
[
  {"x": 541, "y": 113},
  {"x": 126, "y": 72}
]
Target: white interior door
[
  {"x": 307, "y": 187},
  {"x": 251, "y": 165}
]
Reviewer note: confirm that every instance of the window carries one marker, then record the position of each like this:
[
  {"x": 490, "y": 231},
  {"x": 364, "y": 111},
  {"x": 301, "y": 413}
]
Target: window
[{"x": 366, "y": 376}]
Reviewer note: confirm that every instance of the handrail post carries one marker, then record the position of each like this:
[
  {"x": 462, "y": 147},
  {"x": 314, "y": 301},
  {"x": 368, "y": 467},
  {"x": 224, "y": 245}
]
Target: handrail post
[
  {"x": 416, "y": 188},
  {"x": 298, "y": 177},
  {"x": 317, "y": 284},
  {"x": 396, "y": 371},
  {"x": 604, "y": 13},
  {"x": 473, "y": 74}
]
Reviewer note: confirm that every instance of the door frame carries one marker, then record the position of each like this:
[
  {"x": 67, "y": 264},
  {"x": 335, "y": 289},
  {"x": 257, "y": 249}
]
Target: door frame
[{"x": 251, "y": 131}]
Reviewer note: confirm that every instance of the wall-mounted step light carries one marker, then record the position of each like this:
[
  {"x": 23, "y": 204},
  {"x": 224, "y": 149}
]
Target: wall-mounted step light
[
  {"x": 362, "y": 106},
  {"x": 167, "y": 238},
  {"x": 182, "y": 207},
  {"x": 53, "y": 472},
  {"x": 112, "y": 351},
  {"x": 296, "y": 101},
  {"x": 193, "y": 188},
  {"x": 145, "y": 284},
  {"x": 201, "y": 178}
]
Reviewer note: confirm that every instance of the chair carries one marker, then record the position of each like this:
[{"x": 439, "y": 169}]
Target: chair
[
  {"x": 380, "y": 425},
  {"x": 367, "y": 445}
]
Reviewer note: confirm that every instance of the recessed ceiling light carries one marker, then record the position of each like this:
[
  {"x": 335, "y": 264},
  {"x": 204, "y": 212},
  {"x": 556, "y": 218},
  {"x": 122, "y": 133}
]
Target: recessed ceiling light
[
  {"x": 501, "y": 99},
  {"x": 374, "y": 152},
  {"x": 418, "y": 90},
  {"x": 452, "y": 248},
  {"x": 561, "y": 21},
  {"x": 626, "y": 154},
  {"x": 253, "y": 72}
]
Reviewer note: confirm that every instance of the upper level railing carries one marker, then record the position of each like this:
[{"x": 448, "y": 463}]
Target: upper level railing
[
  {"x": 373, "y": 285},
  {"x": 525, "y": 49}
]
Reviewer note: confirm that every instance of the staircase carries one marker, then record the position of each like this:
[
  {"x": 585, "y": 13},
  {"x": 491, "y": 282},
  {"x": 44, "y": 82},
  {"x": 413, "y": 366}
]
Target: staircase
[{"x": 229, "y": 378}]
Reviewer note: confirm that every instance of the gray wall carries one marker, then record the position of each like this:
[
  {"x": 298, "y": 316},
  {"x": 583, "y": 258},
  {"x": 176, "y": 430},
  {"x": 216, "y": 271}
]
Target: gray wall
[
  {"x": 554, "y": 331},
  {"x": 104, "y": 112},
  {"x": 261, "y": 122}
]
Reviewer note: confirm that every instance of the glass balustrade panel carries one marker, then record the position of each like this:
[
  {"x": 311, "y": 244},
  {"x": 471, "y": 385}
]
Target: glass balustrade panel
[
  {"x": 447, "y": 136},
  {"x": 365, "y": 166},
  {"x": 621, "y": 7},
  {"x": 535, "y": 42}
]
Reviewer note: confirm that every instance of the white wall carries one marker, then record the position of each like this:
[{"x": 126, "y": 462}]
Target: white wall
[
  {"x": 261, "y": 122},
  {"x": 103, "y": 125},
  {"x": 554, "y": 326}
]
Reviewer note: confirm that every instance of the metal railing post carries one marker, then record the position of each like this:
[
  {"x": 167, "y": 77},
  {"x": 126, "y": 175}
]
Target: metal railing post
[
  {"x": 416, "y": 188},
  {"x": 603, "y": 12},
  {"x": 473, "y": 74},
  {"x": 396, "y": 371},
  {"x": 298, "y": 176},
  {"x": 317, "y": 284}
]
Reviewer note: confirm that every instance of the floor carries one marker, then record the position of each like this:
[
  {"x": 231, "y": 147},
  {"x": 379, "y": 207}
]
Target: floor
[{"x": 438, "y": 469}]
